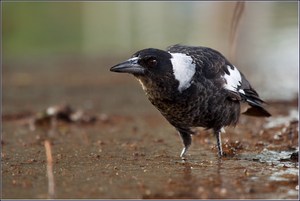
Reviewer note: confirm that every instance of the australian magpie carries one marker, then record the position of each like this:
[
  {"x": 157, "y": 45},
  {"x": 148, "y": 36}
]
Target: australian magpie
[{"x": 193, "y": 87}]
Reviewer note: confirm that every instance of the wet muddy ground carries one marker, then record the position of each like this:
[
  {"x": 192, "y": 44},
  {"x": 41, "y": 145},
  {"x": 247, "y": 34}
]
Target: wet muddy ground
[{"x": 116, "y": 145}]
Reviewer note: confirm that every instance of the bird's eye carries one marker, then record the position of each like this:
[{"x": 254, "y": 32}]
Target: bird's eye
[{"x": 152, "y": 62}]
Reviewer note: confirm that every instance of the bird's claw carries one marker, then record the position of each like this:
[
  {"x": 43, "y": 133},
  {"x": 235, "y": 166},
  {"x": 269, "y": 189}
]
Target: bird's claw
[{"x": 183, "y": 152}]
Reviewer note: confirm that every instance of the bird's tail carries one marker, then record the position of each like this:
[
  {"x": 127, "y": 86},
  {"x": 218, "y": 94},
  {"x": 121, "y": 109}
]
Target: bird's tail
[
  {"x": 256, "y": 104},
  {"x": 257, "y": 111}
]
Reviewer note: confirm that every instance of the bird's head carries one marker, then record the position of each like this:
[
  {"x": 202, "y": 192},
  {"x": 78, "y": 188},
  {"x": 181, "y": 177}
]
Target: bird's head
[
  {"x": 159, "y": 68},
  {"x": 147, "y": 62}
]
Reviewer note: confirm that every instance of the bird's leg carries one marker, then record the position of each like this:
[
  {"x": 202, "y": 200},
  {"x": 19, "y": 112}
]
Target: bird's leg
[
  {"x": 185, "y": 135},
  {"x": 219, "y": 142}
]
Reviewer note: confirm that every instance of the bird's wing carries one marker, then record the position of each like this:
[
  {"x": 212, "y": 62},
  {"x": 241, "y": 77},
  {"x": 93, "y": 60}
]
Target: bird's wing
[
  {"x": 239, "y": 88},
  {"x": 214, "y": 66},
  {"x": 209, "y": 62}
]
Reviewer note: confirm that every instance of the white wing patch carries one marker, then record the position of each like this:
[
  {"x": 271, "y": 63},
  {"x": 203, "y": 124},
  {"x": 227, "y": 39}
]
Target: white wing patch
[
  {"x": 233, "y": 80},
  {"x": 183, "y": 69}
]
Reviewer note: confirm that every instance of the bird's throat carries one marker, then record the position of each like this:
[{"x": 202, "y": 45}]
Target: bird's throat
[{"x": 157, "y": 89}]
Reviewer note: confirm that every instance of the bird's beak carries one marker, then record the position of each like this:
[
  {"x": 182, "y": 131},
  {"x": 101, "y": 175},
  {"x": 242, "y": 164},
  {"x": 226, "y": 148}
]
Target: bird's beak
[{"x": 129, "y": 66}]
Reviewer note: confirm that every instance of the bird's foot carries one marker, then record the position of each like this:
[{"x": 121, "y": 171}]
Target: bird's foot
[
  {"x": 220, "y": 152},
  {"x": 183, "y": 153}
]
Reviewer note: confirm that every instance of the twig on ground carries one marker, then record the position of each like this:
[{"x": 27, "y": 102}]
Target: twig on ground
[{"x": 51, "y": 185}]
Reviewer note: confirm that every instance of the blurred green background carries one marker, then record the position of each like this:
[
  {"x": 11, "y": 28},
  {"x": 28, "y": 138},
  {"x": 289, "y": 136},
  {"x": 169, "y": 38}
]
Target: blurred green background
[
  {"x": 46, "y": 43},
  {"x": 102, "y": 28},
  {"x": 99, "y": 28}
]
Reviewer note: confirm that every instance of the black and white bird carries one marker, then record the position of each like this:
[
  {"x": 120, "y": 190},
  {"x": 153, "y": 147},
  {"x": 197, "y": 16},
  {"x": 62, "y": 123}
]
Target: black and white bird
[{"x": 193, "y": 87}]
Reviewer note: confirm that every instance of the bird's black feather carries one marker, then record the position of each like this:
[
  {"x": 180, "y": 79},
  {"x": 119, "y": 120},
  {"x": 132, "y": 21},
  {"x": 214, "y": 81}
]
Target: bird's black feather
[
  {"x": 211, "y": 95},
  {"x": 212, "y": 65}
]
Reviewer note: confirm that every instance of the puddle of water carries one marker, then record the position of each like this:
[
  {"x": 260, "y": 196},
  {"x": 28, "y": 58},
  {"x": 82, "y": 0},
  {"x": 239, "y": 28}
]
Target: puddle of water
[
  {"x": 281, "y": 166},
  {"x": 282, "y": 120},
  {"x": 134, "y": 154},
  {"x": 279, "y": 158},
  {"x": 282, "y": 174}
]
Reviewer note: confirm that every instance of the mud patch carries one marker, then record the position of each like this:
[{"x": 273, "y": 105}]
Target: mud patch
[
  {"x": 120, "y": 156},
  {"x": 129, "y": 150}
]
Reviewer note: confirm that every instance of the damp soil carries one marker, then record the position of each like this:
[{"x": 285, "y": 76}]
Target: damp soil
[{"x": 119, "y": 146}]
